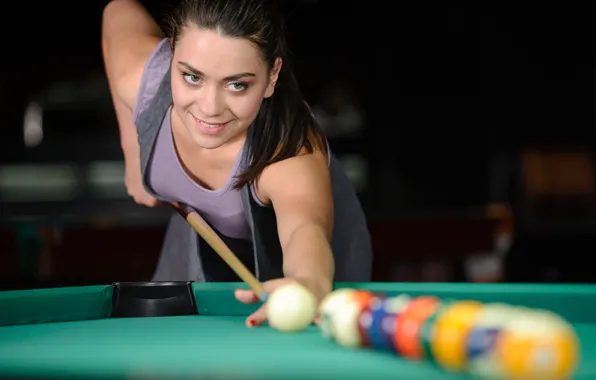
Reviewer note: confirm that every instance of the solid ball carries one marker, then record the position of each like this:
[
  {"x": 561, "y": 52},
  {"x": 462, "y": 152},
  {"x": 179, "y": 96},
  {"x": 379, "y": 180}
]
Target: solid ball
[
  {"x": 406, "y": 337},
  {"x": 449, "y": 341},
  {"x": 291, "y": 308},
  {"x": 384, "y": 320}
]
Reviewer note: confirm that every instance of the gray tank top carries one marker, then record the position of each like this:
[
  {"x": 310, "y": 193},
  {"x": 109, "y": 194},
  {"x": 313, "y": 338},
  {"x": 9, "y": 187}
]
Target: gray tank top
[{"x": 222, "y": 207}]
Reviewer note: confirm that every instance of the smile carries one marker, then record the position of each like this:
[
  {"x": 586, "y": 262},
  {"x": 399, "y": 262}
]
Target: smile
[
  {"x": 212, "y": 125},
  {"x": 211, "y": 128}
]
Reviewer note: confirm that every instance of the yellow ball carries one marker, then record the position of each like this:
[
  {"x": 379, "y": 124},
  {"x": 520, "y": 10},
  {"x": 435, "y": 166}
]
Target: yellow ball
[
  {"x": 449, "y": 337},
  {"x": 291, "y": 308},
  {"x": 483, "y": 340},
  {"x": 539, "y": 345}
]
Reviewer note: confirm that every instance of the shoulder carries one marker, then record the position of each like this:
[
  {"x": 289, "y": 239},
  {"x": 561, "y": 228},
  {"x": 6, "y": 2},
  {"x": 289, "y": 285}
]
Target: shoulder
[
  {"x": 150, "y": 76},
  {"x": 306, "y": 173}
]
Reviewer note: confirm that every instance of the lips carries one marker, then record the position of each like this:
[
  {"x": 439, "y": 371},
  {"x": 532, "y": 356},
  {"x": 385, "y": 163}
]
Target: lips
[
  {"x": 211, "y": 128},
  {"x": 212, "y": 125}
]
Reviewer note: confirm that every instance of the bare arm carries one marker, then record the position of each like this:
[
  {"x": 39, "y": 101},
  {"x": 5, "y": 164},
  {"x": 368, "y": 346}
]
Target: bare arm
[
  {"x": 129, "y": 36},
  {"x": 299, "y": 189}
]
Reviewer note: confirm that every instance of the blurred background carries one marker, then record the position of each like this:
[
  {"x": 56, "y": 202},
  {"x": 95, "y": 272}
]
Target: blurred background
[{"x": 467, "y": 130}]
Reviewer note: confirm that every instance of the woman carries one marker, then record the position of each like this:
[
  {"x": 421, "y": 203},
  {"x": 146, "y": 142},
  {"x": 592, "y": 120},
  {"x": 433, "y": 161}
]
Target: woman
[{"x": 212, "y": 118}]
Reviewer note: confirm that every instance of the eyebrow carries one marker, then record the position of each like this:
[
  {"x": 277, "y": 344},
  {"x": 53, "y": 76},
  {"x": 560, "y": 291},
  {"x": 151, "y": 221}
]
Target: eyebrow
[{"x": 228, "y": 78}]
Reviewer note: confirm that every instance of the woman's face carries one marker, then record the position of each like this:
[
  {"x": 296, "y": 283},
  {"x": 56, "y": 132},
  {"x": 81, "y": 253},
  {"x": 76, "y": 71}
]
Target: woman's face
[{"x": 218, "y": 85}]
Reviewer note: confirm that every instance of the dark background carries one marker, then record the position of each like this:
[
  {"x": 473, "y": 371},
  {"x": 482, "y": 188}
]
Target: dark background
[{"x": 444, "y": 89}]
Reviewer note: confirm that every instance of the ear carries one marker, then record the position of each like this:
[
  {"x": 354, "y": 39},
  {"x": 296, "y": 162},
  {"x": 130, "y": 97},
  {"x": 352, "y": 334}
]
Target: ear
[{"x": 273, "y": 77}]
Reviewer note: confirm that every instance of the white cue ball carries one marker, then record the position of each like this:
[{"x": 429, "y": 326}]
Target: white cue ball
[{"x": 291, "y": 308}]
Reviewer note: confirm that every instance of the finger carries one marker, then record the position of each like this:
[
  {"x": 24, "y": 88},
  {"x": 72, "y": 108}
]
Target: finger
[
  {"x": 246, "y": 296},
  {"x": 250, "y": 297},
  {"x": 258, "y": 317},
  {"x": 149, "y": 201}
]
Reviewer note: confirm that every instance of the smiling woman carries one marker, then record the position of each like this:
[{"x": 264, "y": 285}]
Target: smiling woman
[{"x": 212, "y": 117}]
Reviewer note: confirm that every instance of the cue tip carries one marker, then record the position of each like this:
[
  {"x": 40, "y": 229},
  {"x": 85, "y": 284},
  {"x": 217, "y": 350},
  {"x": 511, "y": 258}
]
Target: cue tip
[{"x": 264, "y": 297}]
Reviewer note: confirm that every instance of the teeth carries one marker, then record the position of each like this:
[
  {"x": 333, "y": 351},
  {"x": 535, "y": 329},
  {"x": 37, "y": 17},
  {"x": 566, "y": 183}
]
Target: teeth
[{"x": 206, "y": 125}]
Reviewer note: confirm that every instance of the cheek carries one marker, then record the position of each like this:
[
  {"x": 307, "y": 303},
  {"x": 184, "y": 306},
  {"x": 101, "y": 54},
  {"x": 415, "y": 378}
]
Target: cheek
[
  {"x": 246, "y": 106},
  {"x": 181, "y": 96}
]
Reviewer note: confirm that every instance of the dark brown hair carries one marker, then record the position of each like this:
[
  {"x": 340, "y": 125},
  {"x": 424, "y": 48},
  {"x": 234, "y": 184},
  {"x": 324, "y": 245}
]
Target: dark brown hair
[{"x": 285, "y": 125}]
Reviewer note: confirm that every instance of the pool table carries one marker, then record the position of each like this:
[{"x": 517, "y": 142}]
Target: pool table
[{"x": 95, "y": 332}]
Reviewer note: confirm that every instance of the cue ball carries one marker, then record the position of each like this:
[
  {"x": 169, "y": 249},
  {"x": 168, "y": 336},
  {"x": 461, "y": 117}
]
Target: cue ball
[{"x": 291, "y": 308}]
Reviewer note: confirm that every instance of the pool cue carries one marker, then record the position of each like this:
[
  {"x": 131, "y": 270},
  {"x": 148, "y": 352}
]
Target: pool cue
[{"x": 212, "y": 238}]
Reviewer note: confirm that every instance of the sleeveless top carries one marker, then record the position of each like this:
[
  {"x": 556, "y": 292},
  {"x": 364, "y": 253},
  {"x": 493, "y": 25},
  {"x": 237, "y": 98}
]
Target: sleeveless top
[
  {"x": 221, "y": 208},
  {"x": 245, "y": 224}
]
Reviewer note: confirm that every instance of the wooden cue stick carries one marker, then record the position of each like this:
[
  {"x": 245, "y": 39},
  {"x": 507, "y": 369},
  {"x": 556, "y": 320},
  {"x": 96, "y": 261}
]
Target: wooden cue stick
[{"x": 218, "y": 245}]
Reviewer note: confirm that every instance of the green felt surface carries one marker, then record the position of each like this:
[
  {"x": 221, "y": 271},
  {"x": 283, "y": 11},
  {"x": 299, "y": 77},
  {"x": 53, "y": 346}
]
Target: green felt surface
[
  {"x": 67, "y": 333},
  {"x": 55, "y": 305},
  {"x": 187, "y": 347}
]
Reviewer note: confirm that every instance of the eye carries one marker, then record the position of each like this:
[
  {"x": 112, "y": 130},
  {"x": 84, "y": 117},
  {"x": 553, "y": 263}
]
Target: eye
[
  {"x": 191, "y": 78},
  {"x": 238, "y": 86}
]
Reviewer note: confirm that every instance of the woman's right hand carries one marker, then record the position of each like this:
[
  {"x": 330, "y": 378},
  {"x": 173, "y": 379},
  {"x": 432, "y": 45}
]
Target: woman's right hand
[{"x": 134, "y": 183}]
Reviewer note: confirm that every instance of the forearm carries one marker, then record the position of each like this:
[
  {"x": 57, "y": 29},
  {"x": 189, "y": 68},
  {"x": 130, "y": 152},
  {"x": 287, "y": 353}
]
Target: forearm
[
  {"x": 128, "y": 131},
  {"x": 308, "y": 257}
]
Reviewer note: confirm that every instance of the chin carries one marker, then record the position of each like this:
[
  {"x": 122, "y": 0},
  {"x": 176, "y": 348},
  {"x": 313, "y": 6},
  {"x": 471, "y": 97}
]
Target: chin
[{"x": 208, "y": 143}]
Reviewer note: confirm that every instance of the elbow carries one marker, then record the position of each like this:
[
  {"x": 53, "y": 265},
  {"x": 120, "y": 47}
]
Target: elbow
[
  {"x": 106, "y": 26},
  {"x": 106, "y": 18}
]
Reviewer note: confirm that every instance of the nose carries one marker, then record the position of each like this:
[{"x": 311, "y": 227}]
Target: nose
[{"x": 211, "y": 101}]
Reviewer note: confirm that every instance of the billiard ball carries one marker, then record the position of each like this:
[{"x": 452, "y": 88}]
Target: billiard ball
[
  {"x": 384, "y": 320},
  {"x": 538, "y": 344},
  {"x": 426, "y": 333},
  {"x": 365, "y": 319},
  {"x": 406, "y": 337},
  {"x": 448, "y": 341},
  {"x": 483, "y": 340},
  {"x": 345, "y": 319},
  {"x": 328, "y": 306},
  {"x": 291, "y": 308}
]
